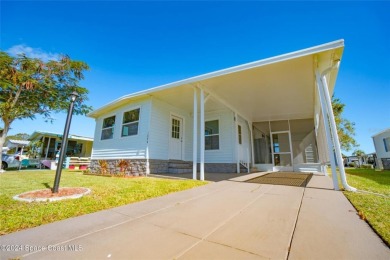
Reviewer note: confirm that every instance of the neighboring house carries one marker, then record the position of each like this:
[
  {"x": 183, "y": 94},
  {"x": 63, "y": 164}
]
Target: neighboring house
[
  {"x": 369, "y": 158},
  {"x": 49, "y": 143},
  {"x": 382, "y": 148},
  {"x": 267, "y": 114},
  {"x": 353, "y": 161},
  {"x": 350, "y": 160},
  {"x": 18, "y": 144}
]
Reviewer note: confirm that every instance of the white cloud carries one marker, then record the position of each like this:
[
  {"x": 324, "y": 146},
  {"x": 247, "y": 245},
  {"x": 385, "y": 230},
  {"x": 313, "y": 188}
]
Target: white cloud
[{"x": 33, "y": 52}]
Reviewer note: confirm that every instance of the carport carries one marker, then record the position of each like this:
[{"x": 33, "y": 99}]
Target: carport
[
  {"x": 276, "y": 97},
  {"x": 276, "y": 115}
]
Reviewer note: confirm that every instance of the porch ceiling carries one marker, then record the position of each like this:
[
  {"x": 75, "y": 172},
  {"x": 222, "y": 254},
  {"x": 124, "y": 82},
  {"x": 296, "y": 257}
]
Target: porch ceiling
[{"x": 277, "y": 91}]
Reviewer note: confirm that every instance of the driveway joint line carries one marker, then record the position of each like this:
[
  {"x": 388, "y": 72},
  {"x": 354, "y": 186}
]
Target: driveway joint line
[
  {"x": 295, "y": 225},
  {"x": 222, "y": 224},
  {"x": 127, "y": 221},
  {"x": 242, "y": 250}
]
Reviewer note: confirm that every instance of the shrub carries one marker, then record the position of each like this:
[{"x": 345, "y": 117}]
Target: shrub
[
  {"x": 367, "y": 166},
  {"x": 87, "y": 171},
  {"x": 103, "y": 166},
  {"x": 123, "y": 165}
]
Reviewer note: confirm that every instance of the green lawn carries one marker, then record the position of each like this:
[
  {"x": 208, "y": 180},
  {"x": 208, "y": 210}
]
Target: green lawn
[
  {"x": 376, "y": 209},
  {"x": 106, "y": 193}
]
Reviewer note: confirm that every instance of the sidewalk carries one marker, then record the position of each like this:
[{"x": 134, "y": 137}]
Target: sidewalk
[{"x": 222, "y": 220}]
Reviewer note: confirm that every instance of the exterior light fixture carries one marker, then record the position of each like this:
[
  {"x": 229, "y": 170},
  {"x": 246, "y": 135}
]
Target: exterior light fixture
[{"x": 73, "y": 96}]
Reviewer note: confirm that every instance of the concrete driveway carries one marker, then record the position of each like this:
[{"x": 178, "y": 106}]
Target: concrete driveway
[{"x": 222, "y": 220}]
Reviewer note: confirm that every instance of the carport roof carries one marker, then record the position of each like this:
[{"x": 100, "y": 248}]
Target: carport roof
[
  {"x": 16, "y": 143},
  {"x": 39, "y": 134},
  {"x": 261, "y": 85}
]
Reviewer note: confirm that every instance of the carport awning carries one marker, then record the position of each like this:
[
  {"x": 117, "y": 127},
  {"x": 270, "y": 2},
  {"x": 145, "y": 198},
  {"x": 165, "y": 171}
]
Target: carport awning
[
  {"x": 282, "y": 87},
  {"x": 17, "y": 143}
]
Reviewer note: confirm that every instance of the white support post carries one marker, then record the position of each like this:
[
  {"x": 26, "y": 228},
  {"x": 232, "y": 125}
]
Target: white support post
[
  {"x": 252, "y": 144},
  {"x": 248, "y": 161},
  {"x": 47, "y": 149},
  {"x": 237, "y": 145},
  {"x": 202, "y": 137},
  {"x": 195, "y": 136},
  {"x": 327, "y": 133},
  {"x": 20, "y": 158},
  {"x": 336, "y": 140},
  {"x": 272, "y": 145},
  {"x": 291, "y": 149}
]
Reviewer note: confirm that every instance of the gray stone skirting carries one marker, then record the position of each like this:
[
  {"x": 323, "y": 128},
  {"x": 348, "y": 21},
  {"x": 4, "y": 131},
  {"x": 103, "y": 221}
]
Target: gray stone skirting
[
  {"x": 219, "y": 167},
  {"x": 138, "y": 167},
  {"x": 134, "y": 167}
]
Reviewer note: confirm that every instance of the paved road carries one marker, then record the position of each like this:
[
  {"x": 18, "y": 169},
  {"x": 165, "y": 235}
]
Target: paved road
[{"x": 222, "y": 220}]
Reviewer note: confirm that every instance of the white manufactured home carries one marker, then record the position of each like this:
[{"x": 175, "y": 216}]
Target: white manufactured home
[
  {"x": 382, "y": 148},
  {"x": 270, "y": 115}
]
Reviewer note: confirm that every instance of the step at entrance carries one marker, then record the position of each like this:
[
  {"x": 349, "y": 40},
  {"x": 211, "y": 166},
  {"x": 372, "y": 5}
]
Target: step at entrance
[{"x": 176, "y": 166}]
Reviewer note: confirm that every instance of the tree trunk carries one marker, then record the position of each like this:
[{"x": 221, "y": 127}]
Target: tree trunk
[{"x": 3, "y": 135}]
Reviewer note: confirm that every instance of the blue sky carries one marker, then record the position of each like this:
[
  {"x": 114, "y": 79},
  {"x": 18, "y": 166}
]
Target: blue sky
[{"x": 132, "y": 46}]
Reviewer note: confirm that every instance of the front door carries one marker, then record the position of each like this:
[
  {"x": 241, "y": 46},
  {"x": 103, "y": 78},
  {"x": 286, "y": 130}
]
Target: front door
[
  {"x": 176, "y": 138},
  {"x": 281, "y": 151}
]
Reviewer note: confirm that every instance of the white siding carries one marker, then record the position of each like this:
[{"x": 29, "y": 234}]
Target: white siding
[
  {"x": 245, "y": 150},
  {"x": 160, "y": 130},
  {"x": 323, "y": 152},
  {"x": 226, "y": 152},
  {"x": 155, "y": 127},
  {"x": 130, "y": 147},
  {"x": 160, "y": 133},
  {"x": 380, "y": 145}
]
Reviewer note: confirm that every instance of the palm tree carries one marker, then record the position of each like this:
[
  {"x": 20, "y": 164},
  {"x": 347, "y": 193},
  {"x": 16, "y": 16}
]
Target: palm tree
[{"x": 359, "y": 153}]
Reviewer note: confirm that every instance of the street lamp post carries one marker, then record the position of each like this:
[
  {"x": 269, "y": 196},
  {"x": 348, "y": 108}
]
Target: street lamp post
[{"x": 63, "y": 149}]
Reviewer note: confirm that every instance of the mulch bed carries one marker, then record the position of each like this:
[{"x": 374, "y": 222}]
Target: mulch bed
[
  {"x": 47, "y": 193},
  {"x": 113, "y": 175}
]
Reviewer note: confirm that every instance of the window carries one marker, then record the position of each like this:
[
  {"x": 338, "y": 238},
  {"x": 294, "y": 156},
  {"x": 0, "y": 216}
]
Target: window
[
  {"x": 239, "y": 135},
  {"x": 130, "y": 122},
  {"x": 70, "y": 148},
  {"x": 212, "y": 135},
  {"x": 386, "y": 142},
  {"x": 275, "y": 140},
  {"x": 175, "y": 128},
  {"x": 108, "y": 128}
]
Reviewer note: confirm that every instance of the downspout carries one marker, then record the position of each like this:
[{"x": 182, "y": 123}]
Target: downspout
[
  {"x": 147, "y": 172},
  {"x": 333, "y": 127},
  {"x": 327, "y": 133},
  {"x": 202, "y": 137},
  {"x": 195, "y": 136}
]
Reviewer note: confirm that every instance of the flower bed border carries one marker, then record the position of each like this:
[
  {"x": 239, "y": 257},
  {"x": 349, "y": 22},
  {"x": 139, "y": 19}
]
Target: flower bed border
[{"x": 51, "y": 199}]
